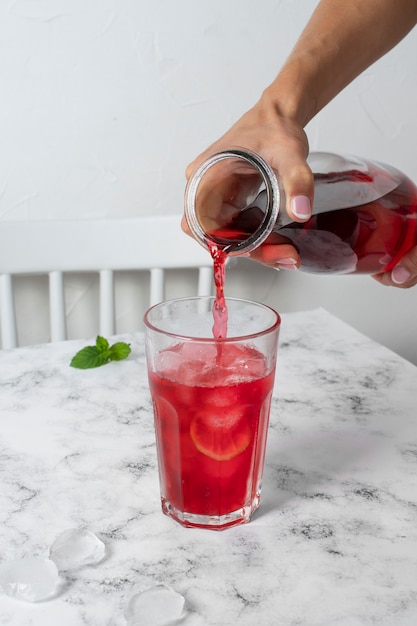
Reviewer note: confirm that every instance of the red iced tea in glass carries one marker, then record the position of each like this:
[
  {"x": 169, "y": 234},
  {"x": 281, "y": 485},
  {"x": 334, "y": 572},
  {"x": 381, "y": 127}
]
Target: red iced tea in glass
[
  {"x": 211, "y": 420},
  {"x": 211, "y": 400}
]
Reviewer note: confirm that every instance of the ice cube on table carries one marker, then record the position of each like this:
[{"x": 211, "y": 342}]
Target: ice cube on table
[
  {"x": 31, "y": 579},
  {"x": 157, "y": 606},
  {"x": 75, "y": 548}
]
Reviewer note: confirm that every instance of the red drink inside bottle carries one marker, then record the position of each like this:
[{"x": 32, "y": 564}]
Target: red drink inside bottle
[
  {"x": 211, "y": 415},
  {"x": 356, "y": 236}
]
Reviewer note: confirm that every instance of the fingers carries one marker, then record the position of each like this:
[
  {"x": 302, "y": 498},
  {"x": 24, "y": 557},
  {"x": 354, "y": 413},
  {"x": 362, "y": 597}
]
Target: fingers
[
  {"x": 404, "y": 274},
  {"x": 278, "y": 256},
  {"x": 184, "y": 226}
]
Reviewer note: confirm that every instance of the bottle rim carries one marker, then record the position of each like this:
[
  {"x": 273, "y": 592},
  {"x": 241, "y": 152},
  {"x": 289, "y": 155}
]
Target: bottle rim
[{"x": 273, "y": 194}]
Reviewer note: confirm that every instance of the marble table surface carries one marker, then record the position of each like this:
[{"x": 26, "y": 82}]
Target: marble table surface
[{"x": 334, "y": 542}]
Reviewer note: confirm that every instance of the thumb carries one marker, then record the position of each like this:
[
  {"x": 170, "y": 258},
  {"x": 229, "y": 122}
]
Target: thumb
[{"x": 298, "y": 182}]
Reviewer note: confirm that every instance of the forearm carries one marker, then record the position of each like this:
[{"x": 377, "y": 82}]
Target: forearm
[{"x": 339, "y": 42}]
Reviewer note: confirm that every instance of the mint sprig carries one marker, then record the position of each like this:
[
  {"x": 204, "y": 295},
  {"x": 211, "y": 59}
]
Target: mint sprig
[{"x": 100, "y": 354}]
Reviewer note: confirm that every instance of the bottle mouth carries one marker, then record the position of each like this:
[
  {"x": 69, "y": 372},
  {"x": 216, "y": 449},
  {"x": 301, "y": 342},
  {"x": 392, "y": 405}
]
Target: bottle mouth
[{"x": 232, "y": 201}]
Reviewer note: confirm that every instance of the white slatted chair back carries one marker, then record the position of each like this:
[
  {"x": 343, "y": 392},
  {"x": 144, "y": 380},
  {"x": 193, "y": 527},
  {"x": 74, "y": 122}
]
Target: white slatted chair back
[{"x": 54, "y": 247}]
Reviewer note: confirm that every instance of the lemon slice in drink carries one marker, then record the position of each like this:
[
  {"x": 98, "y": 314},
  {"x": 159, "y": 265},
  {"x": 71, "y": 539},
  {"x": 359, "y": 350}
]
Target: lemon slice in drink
[{"x": 220, "y": 437}]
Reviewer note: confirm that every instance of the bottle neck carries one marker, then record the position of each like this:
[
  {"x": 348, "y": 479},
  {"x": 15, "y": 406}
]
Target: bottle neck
[{"x": 223, "y": 205}]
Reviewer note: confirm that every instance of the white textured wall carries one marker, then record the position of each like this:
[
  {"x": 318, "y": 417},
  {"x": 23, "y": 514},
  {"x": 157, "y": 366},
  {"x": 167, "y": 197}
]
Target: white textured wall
[{"x": 103, "y": 103}]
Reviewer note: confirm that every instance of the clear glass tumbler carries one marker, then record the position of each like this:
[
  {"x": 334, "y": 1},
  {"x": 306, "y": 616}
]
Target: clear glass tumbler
[{"x": 211, "y": 402}]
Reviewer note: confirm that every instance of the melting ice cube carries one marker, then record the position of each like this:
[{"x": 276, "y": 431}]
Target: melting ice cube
[
  {"x": 75, "y": 548},
  {"x": 29, "y": 579},
  {"x": 168, "y": 361},
  {"x": 158, "y": 606}
]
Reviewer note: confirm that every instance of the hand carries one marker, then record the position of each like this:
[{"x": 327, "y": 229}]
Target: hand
[
  {"x": 283, "y": 143},
  {"x": 404, "y": 274}
]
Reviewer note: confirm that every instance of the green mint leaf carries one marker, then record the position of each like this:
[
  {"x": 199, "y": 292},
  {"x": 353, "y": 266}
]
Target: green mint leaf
[
  {"x": 119, "y": 351},
  {"x": 88, "y": 358},
  {"x": 102, "y": 344},
  {"x": 100, "y": 354}
]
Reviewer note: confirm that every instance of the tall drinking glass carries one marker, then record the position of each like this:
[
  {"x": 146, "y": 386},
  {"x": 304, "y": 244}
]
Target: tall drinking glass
[{"x": 211, "y": 402}]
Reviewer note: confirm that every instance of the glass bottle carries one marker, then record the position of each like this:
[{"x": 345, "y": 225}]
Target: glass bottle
[{"x": 364, "y": 216}]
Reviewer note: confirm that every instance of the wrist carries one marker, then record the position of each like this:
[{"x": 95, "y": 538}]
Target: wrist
[{"x": 283, "y": 99}]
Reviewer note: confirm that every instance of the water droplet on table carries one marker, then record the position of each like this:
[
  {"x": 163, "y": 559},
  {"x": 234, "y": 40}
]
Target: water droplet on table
[
  {"x": 29, "y": 579},
  {"x": 158, "y": 606},
  {"x": 75, "y": 548}
]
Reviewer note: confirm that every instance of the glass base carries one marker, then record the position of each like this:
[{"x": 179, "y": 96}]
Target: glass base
[{"x": 210, "y": 522}]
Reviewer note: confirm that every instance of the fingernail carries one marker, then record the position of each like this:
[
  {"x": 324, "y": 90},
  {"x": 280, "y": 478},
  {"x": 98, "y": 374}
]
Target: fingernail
[
  {"x": 286, "y": 264},
  {"x": 301, "y": 207},
  {"x": 400, "y": 275},
  {"x": 385, "y": 259}
]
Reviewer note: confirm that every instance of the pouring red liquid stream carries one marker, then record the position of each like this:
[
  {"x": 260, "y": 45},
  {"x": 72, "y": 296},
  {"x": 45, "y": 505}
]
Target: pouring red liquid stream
[{"x": 220, "y": 314}]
